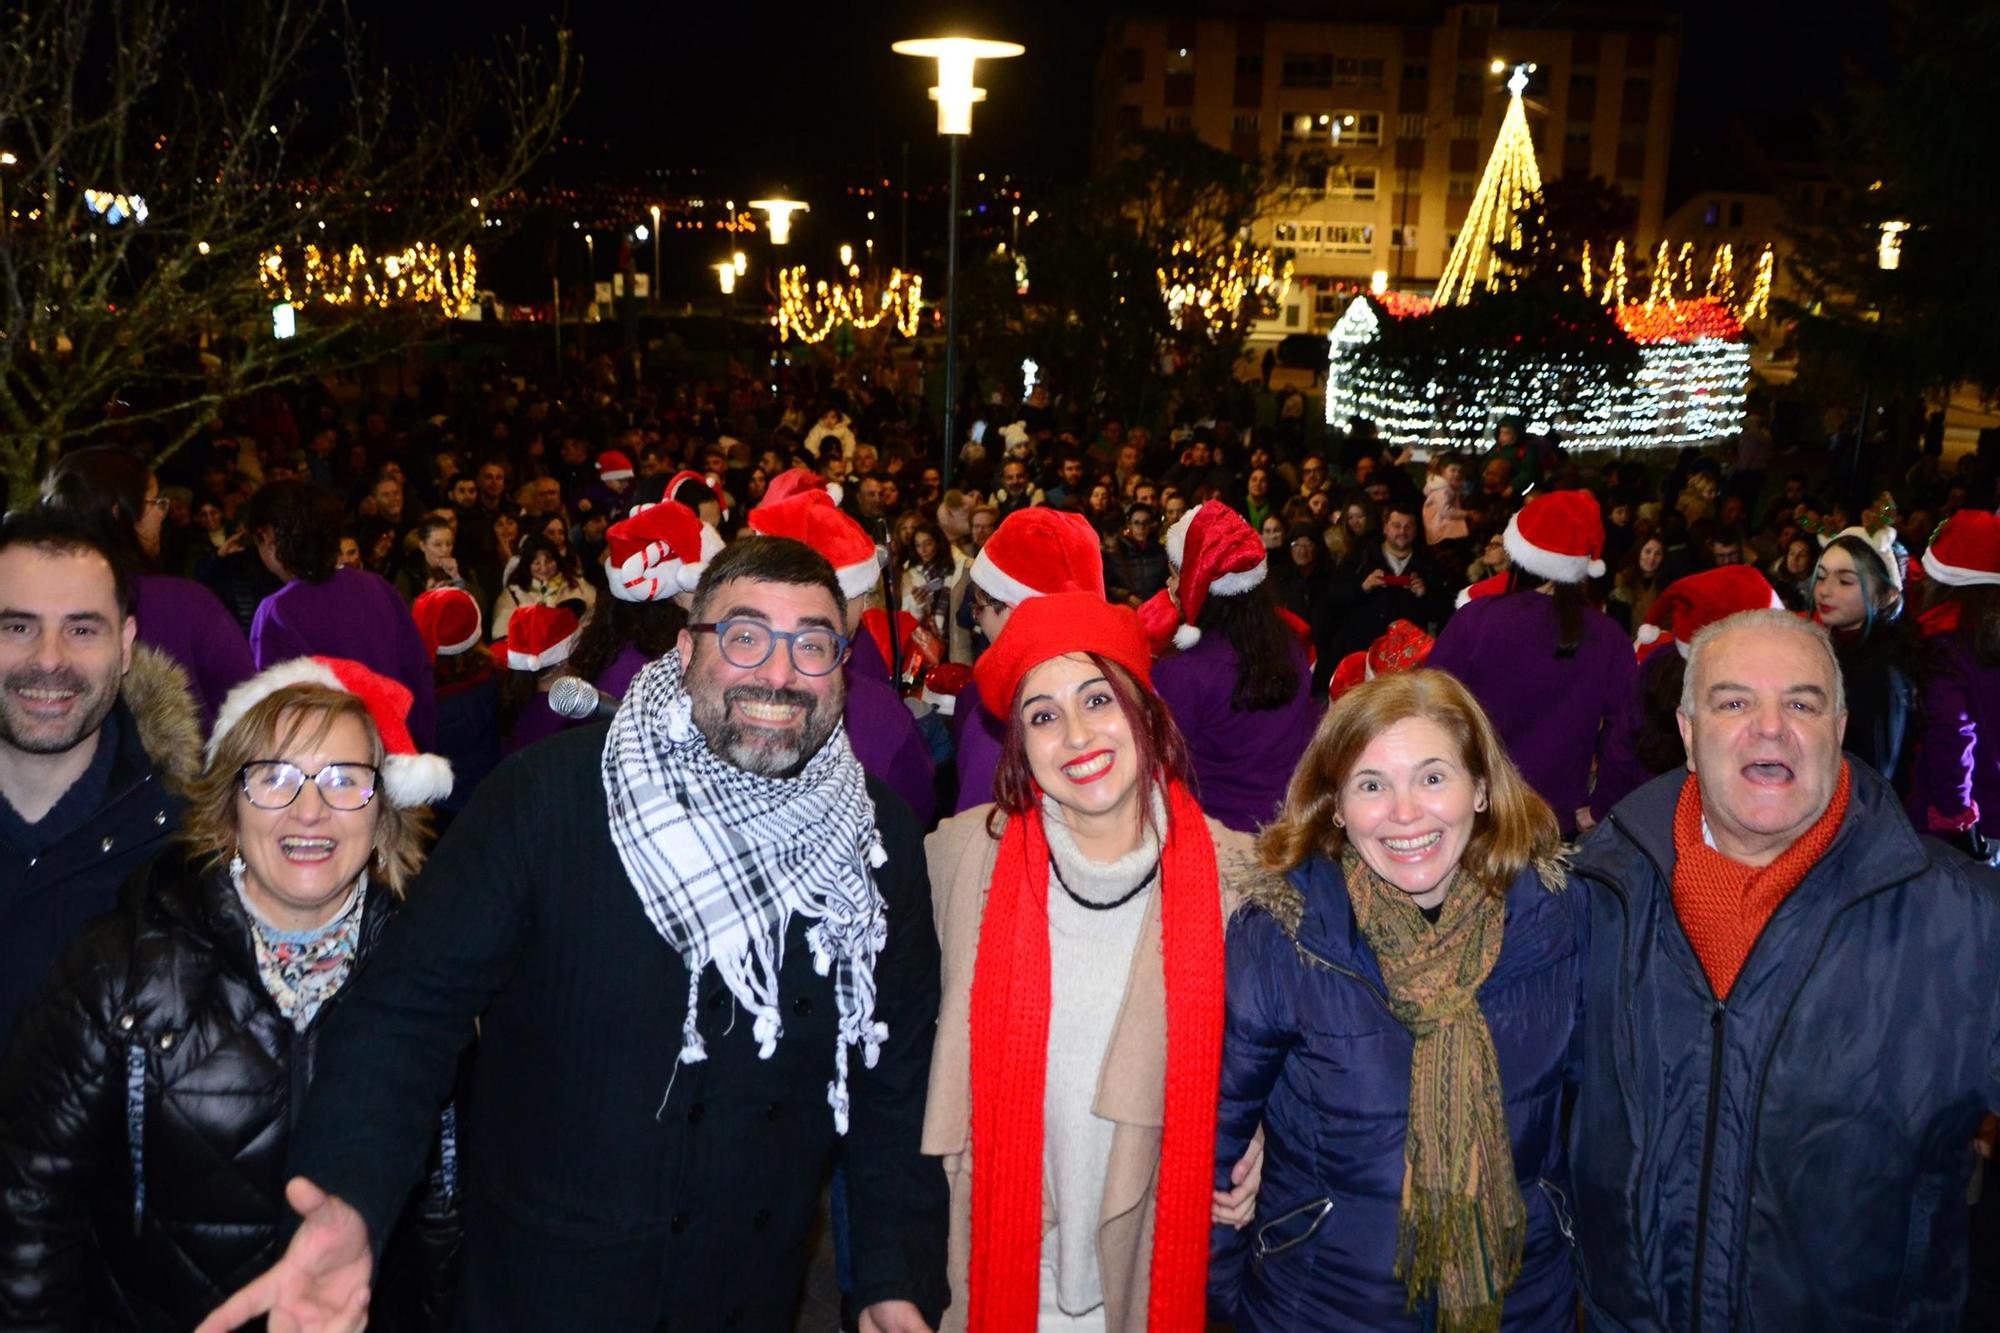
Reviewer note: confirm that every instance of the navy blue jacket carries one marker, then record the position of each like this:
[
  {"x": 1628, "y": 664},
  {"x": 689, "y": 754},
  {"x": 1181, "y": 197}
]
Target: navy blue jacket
[
  {"x": 1310, "y": 1048},
  {"x": 1798, "y": 1157}
]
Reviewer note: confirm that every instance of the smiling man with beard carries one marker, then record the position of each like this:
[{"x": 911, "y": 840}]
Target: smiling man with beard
[
  {"x": 1789, "y": 1022},
  {"x": 699, "y": 945},
  {"x": 95, "y": 734}
]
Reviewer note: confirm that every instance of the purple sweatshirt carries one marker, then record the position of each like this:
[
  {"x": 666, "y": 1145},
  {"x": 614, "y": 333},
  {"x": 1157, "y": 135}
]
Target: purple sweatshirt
[
  {"x": 537, "y": 721},
  {"x": 356, "y": 615},
  {"x": 1958, "y": 765},
  {"x": 1555, "y": 715},
  {"x": 884, "y": 733},
  {"x": 977, "y": 736},
  {"x": 1242, "y": 760},
  {"x": 188, "y": 623},
  {"x": 1620, "y": 772}
]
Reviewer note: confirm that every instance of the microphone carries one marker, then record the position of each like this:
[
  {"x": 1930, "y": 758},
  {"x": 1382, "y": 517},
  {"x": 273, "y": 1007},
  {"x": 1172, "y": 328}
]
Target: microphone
[{"x": 577, "y": 699}]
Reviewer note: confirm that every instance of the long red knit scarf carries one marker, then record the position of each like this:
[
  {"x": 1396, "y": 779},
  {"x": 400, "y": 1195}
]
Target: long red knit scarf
[
  {"x": 1010, "y": 1036},
  {"x": 1724, "y": 904}
]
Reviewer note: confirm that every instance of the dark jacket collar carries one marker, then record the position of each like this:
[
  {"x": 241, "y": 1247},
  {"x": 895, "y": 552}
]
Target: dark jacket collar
[{"x": 193, "y": 892}]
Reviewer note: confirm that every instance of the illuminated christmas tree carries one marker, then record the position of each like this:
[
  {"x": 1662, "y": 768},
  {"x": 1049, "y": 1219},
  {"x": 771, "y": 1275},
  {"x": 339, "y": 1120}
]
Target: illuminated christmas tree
[{"x": 1512, "y": 178}]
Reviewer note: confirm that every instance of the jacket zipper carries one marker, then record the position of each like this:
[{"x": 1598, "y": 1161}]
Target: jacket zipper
[{"x": 1715, "y": 1018}]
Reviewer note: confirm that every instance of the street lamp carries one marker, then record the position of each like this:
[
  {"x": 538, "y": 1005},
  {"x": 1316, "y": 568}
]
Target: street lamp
[
  {"x": 778, "y": 216},
  {"x": 954, "y": 95},
  {"x": 656, "y": 255},
  {"x": 739, "y": 261},
  {"x": 725, "y": 273}
]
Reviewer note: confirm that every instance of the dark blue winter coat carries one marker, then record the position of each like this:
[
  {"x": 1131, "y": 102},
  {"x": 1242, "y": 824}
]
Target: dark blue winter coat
[
  {"x": 1797, "y": 1158},
  {"x": 1311, "y": 1050}
]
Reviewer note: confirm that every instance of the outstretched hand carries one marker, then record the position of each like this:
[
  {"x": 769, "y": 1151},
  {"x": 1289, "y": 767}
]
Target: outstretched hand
[{"x": 319, "y": 1284}]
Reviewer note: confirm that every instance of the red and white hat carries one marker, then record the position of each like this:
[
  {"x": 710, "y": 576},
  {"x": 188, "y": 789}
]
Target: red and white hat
[
  {"x": 1691, "y": 604},
  {"x": 613, "y": 466},
  {"x": 1558, "y": 536},
  {"x": 793, "y": 481},
  {"x": 1966, "y": 549},
  {"x": 409, "y": 777},
  {"x": 658, "y": 551},
  {"x": 1216, "y": 553},
  {"x": 1490, "y": 586},
  {"x": 943, "y": 684},
  {"x": 1403, "y": 647},
  {"x": 538, "y": 637},
  {"x": 1038, "y": 552},
  {"x": 813, "y": 518},
  {"x": 447, "y": 621}
]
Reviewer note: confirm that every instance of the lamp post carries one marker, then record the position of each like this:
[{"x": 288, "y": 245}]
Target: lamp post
[
  {"x": 778, "y": 216},
  {"x": 656, "y": 256},
  {"x": 954, "y": 95}
]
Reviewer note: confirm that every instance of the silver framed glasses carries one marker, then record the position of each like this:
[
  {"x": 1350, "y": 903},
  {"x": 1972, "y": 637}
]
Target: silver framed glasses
[
  {"x": 748, "y": 644},
  {"x": 273, "y": 784}
]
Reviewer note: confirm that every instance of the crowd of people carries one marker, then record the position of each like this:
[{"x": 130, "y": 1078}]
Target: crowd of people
[{"x": 1155, "y": 876}]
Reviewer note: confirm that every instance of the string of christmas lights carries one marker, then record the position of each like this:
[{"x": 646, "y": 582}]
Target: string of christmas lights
[
  {"x": 810, "y": 311},
  {"x": 418, "y": 275},
  {"x": 1210, "y": 290},
  {"x": 1511, "y": 179}
]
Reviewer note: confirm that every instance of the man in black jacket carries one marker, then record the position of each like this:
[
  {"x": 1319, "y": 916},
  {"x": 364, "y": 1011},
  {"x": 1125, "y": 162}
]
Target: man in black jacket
[
  {"x": 647, "y": 1133},
  {"x": 1396, "y": 579},
  {"x": 83, "y": 713}
]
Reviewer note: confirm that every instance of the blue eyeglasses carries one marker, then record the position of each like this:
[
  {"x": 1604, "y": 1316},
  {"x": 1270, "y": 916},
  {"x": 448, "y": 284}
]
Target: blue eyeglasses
[{"x": 747, "y": 644}]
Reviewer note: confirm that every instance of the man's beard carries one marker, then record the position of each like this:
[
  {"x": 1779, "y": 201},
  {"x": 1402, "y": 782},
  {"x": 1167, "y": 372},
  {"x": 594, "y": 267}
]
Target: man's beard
[
  {"x": 765, "y": 751},
  {"x": 23, "y": 732}
]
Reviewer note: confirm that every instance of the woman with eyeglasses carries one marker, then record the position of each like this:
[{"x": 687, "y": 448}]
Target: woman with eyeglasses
[
  {"x": 114, "y": 490},
  {"x": 148, "y": 1099}
]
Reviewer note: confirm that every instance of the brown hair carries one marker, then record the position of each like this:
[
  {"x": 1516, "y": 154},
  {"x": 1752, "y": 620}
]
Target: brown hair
[
  {"x": 1516, "y": 828},
  {"x": 302, "y": 715},
  {"x": 1161, "y": 751}
]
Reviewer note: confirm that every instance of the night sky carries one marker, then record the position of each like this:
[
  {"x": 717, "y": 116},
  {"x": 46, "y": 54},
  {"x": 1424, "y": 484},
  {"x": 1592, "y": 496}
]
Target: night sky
[{"x": 763, "y": 93}]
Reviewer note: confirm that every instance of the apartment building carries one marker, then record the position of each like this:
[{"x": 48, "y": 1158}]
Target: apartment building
[{"x": 1401, "y": 102}]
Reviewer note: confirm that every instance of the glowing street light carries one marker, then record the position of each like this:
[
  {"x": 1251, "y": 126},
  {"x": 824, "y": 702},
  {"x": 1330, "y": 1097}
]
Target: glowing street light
[
  {"x": 1889, "y": 249},
  {"x": 725, "y": 273},
  {"x": 739, "y": 261},
  {"x": 954, "y": 94},
  {"x": 846, "y": 255},
  {"x": 655, "y": 293},
  {"x": 778, "y": 216}
]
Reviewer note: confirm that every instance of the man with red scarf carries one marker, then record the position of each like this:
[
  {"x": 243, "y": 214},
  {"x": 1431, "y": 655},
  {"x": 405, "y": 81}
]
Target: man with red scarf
[{"x": 1789, "y": 1028}]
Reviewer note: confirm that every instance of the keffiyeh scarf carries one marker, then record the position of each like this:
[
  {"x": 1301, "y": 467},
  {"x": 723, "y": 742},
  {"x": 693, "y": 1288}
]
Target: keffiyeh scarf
[{"x": 724, "y": 859}]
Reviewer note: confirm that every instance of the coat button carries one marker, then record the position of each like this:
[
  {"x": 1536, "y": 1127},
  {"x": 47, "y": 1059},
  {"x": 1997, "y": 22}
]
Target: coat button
[
  {"x": 125, "y": 1023},
  {"x": 160, "y": 818},
  {"x": 678, "y": 1224},
  {"x": 774, "y": 1110},
  {"x": 106, "y": 845},
  {"x": 802, "y": 1006},
  {"x": 695, "y": 1113},
  {"x": 166, "y": 1041}
]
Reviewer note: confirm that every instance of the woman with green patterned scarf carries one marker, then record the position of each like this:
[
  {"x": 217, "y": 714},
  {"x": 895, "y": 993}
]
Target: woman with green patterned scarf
[{"x": 1399, "y": 1011}]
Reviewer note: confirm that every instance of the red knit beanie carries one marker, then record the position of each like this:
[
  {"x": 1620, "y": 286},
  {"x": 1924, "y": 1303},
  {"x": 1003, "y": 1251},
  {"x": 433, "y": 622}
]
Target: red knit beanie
[{"x": 1053, "y": 626}]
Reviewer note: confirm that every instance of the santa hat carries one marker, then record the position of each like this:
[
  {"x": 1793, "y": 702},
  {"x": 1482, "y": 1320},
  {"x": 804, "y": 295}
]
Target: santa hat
[
  {"x": 409, "y": 777},
  {"x": 685, "y": 477},
  {"x": 1490, "y": 586},
  {"x": 1054, "y": 625},
  {"x": 1966, "y": 549},
  {"x": 1882, "y": 542},
  {"x": 1215, "y": 552},
  {"x": 1403, "y": 647},
  {"x": 943, "y": 684},
  {"x": 447, "y": 621},
  {"x": 1353, "y": 669},
  {"x": 792, "y": 481},
  {"x": 1558, "y": 536},
  {"x": 1159, "y": 618},
  {"x": 1037, "y": 552},
  {"x": 538, "y": 637},
  {"x": 613, "y": 466},
  {"x": 1691, "y": 604},
  {"x": 657, "y": 551},
  {"x": 813, "y": 518}
]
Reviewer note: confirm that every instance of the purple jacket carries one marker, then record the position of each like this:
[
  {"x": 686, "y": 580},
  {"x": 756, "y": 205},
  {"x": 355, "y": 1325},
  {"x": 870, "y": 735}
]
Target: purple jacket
[
  {"x": 1242, "y": 760},
  {"x": 617, "y": 678},
  {"x": 977, "y": 737},
  {"x": 537, "y": 721},
  {"x": 884, "y": 733},
  {"x": 188, "y": 623},
  {"x": 356, "y": 615},
  {"x": 1958, "y": 765},
  {"x": 1554, "y": 714},
  {"x": 1620, "y": 771}
]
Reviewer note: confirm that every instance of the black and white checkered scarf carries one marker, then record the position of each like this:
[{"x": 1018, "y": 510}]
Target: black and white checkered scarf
[{"x": 724, "y": 859}]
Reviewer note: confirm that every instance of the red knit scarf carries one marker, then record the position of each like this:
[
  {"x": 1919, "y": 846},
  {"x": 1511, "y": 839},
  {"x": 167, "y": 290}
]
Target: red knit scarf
[
  {"x": 1723, "y": 904},
  {"x": 1010, "y": 1037}
]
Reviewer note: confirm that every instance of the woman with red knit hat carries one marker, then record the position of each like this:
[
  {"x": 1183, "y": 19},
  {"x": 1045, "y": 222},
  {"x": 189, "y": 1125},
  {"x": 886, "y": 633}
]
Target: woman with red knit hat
[
  {"x": 1240, "y": 689},
  {"x": 1551, "y": 671},
  {"x": 1955, "y": 792},
  {"x": 1076, "y": 1062}
]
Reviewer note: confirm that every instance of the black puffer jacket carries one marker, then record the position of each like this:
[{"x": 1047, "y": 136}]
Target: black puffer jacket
[{"x": 146, "y": 1113}]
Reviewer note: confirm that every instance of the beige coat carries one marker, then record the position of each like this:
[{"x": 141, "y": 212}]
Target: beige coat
[{"x": 1131, "y": 1089}]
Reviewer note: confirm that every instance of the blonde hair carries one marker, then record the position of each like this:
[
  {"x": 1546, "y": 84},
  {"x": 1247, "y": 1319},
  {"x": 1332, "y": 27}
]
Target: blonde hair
[
  {"x": 1516, "y": 828},
  {"x": 298, "y": 715}
]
